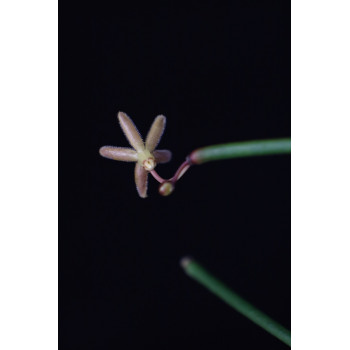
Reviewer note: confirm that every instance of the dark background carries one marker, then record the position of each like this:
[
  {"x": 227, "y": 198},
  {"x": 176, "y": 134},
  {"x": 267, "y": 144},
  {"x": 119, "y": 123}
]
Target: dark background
[{"x": 220, "y": 72}]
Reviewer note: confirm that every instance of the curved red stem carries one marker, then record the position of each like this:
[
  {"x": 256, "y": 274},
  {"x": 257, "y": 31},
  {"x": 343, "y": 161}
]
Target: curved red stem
[{"x": 179, "y": 172}]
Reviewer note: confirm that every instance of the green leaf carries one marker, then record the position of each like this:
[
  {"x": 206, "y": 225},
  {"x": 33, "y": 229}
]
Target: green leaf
[
  {"x": 201, "y": 275},
  {"x": 241, "y": 149}
]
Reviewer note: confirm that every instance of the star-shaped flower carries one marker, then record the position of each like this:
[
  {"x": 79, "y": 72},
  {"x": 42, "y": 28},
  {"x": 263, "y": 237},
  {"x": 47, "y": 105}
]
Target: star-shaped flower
[{"x": 143, "y": 153}]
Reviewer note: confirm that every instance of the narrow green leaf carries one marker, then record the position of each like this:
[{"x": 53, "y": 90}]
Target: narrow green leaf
[
  {"x": 201, "y": 275},
  {"x": 241, "y": 149}
]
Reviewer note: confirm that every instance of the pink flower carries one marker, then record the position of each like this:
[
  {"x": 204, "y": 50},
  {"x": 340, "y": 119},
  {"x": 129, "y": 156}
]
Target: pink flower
[{"x": 143, "y": 153}]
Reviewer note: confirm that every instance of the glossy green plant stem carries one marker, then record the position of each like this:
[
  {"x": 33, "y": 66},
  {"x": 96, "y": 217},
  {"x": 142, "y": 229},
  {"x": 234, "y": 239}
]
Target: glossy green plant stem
[
  {"x": 201, "y": 275},
  {"x": 240, "y": 149}
]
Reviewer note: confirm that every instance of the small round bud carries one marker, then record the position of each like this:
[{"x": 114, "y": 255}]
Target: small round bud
[
  {"x": 166, "y": 188},
  {"x": 149, "y": 164}
]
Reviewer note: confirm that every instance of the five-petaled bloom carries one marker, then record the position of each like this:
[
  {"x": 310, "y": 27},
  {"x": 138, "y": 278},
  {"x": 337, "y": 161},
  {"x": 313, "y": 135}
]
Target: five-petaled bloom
[{"x": 143, "y": 153}]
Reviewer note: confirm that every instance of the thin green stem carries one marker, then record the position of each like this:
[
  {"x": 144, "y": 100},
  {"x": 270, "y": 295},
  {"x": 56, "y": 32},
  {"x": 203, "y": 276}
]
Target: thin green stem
[
  {"x": 240, "y": 149},
  {"x": 201, "y": 275}
]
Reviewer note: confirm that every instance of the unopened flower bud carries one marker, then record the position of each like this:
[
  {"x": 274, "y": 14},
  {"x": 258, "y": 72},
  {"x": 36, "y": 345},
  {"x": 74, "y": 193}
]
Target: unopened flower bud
[{"x": 166, "y": 188}]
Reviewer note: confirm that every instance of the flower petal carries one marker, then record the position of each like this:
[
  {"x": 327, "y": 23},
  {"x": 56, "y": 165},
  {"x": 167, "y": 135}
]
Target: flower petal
[
  {"x": 162, "y": 156},
  {"x": 130, "y": 131},
  {"x": 141, "y": 177},
  {"x": 155, "y": 133},
  {"x": 119, "y": 153}
]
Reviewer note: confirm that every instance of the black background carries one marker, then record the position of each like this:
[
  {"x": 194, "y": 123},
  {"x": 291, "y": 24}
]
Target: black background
[{"x": 220, "y": 72}]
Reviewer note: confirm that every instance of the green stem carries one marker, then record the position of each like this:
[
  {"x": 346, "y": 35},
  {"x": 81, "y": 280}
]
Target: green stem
[
  {"x": 240, "y": 149},
  {"x": 201, "y": 275}
]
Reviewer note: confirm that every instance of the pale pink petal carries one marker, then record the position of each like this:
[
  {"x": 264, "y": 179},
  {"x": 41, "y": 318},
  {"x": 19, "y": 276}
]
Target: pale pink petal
[
  {"x": 130, "y": 131},
  {"x": 141, "y": 177},
  {"x": 119, "y": 153},
  {"x": 155, "y": 133},
  {"x": 162, "y": 156}
]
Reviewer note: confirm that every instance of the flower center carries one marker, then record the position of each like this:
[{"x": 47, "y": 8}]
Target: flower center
[{"x": 149, "y": 164}]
